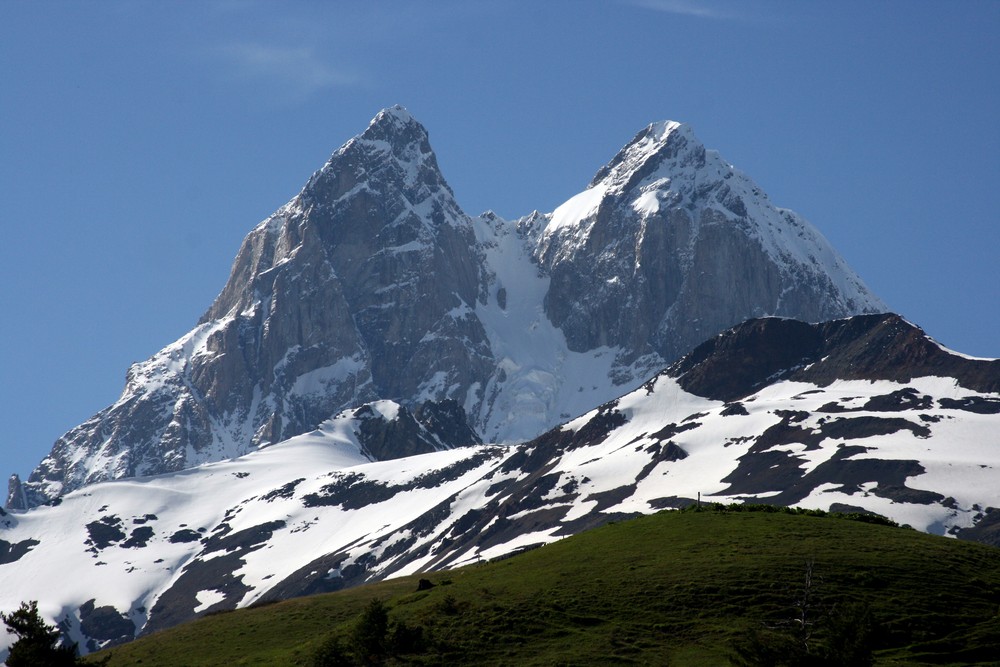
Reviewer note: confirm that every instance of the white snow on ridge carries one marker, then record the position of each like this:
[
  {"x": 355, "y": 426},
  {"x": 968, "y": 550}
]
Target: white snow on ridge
[
  {"x": 617, "y": 473},
  {"x": 577, "y": 210},
  {"x": 170, "y": 363},
  {"x": 960, "y": 459},
  {"x": 647, "y": 204},
  {"x": 389, "y": 410},
  {"x": 397, "y": 113},
  {"x": 68, "y": 566},
  {"x": 955, "y": 353},
  {"x": 317, "y": 381},
  {"x": 541, "y": 381},
  {"x": 689, "y": 175}
]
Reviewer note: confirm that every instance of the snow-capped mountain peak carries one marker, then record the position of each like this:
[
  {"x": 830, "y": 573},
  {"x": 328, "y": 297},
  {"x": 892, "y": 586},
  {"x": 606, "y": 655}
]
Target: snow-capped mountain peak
[
  {"x": 658, "y": 142},
  {"x": 395, "y": 116},
  {"x": 373, "y": 284},
  {"x": 670, "y": 242},
  {"x": 393, "y": 151}
]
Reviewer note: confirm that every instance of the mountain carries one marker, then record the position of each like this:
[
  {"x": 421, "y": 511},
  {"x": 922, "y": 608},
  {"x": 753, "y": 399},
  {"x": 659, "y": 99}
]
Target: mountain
[
  {"x": 372, "y": 284},
  {"x": 670, "y": 245},
  {"x": 863, "y": 414}
]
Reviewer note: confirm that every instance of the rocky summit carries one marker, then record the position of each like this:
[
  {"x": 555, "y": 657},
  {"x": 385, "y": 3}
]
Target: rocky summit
[{"x": 372, "y": 284}]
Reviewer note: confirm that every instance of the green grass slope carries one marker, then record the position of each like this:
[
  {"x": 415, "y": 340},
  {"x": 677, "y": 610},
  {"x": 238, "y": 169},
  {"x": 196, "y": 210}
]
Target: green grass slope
[{"x": 676, "y": 588}]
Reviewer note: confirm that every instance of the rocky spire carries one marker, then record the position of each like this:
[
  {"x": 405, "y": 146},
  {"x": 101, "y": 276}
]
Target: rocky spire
[
  {"x": 15, "y": 494},
  {"x": 649, "y": 149}
]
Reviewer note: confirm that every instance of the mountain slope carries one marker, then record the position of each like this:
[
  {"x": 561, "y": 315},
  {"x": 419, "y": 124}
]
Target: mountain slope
[
  {"x": 777, "y": 411},
  {"x": 676, "y": 588},
  {"x": 372, "y": 284}
]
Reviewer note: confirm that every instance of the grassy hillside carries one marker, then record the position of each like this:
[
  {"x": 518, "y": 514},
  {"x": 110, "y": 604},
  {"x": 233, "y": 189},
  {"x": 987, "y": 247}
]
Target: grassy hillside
[{"x": 677, "y": 588}]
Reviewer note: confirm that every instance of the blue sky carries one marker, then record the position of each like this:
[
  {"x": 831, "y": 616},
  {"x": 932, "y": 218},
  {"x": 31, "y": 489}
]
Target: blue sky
[{"x": 140, "y": 141}]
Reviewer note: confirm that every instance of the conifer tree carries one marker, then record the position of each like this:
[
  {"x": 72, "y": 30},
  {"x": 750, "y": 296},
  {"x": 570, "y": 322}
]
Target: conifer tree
[{"x": 38, "y": 644}]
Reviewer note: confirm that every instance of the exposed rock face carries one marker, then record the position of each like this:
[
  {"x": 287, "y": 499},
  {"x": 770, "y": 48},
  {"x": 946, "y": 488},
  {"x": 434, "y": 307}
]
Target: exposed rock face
[
  {"x": 373, "y": 284},
  {"x": 400, "y": 433},
  {"x": 15, "y": 493},
  {"x": 359, "y": 288},
  {"x": 738, "y": 362},
  {"x": 670, "y": 245}
]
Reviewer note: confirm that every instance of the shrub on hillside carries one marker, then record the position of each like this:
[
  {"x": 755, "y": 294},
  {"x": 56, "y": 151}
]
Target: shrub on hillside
[{"x": 373, "y": 640}]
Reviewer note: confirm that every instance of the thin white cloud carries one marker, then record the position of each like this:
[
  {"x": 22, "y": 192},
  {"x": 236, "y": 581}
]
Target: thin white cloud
[
  {"x": 298, "y": 69},
  {"x": 695, "y": 8}
]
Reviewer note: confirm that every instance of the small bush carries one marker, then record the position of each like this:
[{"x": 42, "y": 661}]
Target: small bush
[
  {"x": 448, "y": 605},
  {"x": 331, "y": 653},
  {"x": 372, "y": 640},
  {"x": 402, "y": 639},
  {"x": 368, "y": 639}
]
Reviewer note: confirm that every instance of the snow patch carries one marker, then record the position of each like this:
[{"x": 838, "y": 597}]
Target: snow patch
[
  {"x": 575, "y": 211},
  {"x": 207, "y": 598}
]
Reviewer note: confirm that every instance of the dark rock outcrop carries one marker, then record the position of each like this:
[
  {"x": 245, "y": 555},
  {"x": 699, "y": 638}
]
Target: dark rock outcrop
[{"x": 741, "y": 360}]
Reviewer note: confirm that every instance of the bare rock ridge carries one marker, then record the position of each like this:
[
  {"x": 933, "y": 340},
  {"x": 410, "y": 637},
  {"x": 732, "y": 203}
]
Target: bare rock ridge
[
  {"x": 373, "y": 284},
  {"x": 742, "y": 360}
]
